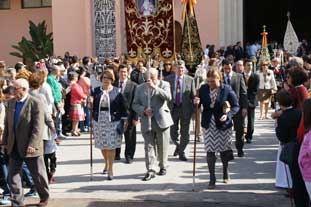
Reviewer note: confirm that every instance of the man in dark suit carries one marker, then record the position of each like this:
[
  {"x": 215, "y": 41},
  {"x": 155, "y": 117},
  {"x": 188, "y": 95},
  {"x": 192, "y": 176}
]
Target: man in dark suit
[
  {"x": 24, "y": 125},
  {"x": 181, "y": 106},
  {"x": 252, "y": 85},
  {"x": 237, "y": 83},
  {"x": 127, "y": 88}
]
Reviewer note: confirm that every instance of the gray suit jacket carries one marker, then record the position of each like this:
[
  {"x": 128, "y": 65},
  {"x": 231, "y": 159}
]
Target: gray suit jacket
[
  {"x": 188, "y": 93},
  {"x": 29, "y": 128},
  {"x": 239, "y": 87},
  {"x": 159, "y": 100}
]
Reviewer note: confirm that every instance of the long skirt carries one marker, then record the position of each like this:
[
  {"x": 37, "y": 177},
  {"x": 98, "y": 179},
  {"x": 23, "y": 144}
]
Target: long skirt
[
  {"x": 216, "y": 140},
  {"x": 105, "y": 132},
  {"x": 283, "y": 178}
]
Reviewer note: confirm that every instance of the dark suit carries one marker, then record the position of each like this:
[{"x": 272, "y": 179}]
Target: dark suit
[
  {"x": 238, "y": 85},
  {"x": 252, "y": 85},
  {"x": 128, "y": 93},
  {"x": 181, "y": 113},
  {"x": 28, "y": 133}
]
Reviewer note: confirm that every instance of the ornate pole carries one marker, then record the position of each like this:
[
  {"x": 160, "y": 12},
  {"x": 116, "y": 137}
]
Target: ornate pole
[{"x": 149, "y": 92}]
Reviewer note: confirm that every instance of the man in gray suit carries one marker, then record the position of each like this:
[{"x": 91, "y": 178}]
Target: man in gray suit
[
  {"x": 24, "y": 124},
  {"x": 157, "y": 135},
  {"x": 182, "y": 107},
  {"x": 237, "y": 83}
]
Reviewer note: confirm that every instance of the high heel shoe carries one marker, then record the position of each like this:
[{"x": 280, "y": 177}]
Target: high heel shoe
[
  {"x": 105, "y": 171},
  {"x": 75, "y": 134},
  {"x": 110, "y": 177}
]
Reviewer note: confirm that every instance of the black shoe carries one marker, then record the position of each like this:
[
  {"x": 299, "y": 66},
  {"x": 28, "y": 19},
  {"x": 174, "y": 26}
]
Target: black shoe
[
  {"x": 149, "y": 175},
  {"x": 183, "y": 157},
  {"x": 110, "y": 177},
  {"x": 248, "y": 141},
  {"x": 128, "y": 160},
  {"x": 162, "y": 171},
  {"x": 117, "y": 157},
  {"x": 176, "y": 152},
  {"x": 240, "y": 153}
]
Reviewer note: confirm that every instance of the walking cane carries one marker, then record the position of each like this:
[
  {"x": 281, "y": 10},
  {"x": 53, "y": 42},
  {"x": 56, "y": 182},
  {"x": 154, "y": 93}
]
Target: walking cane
[
  {"x": 91, "y": 143},
  {"x": 195, "y": 144}
]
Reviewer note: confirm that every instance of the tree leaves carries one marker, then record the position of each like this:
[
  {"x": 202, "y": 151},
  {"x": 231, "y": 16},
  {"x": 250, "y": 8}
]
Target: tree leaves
[{"x": 40, "y": 46}]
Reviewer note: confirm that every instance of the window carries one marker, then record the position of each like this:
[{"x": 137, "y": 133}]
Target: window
[
  {"x": 4, "y": 4},
  {"x": 36, "y": 3}
]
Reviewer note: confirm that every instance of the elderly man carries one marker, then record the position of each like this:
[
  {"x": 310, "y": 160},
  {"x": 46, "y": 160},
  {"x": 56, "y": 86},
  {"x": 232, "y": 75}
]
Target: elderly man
[
  {"x": 155, "y": 121},
  {"x": 182, "y": 107},
  {"x": 24, "y": 125}
]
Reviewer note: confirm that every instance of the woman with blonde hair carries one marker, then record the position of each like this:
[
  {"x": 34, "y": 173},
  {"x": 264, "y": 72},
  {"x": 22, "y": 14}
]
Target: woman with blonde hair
[
  {"x": 267, "y": 86},
  {"x": 220, "y": 104}
]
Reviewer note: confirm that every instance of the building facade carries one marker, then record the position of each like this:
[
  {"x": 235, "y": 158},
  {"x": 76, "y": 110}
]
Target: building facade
[{"x": 73, "y": 23}]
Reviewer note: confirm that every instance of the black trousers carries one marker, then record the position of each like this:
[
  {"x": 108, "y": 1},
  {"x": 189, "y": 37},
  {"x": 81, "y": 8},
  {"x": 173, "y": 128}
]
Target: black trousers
[
  {"x": 238, "y": 121},
  {"x": 50, "y": 162},
  {"x": 130, "y": 141},
  {"x": 301, "y": 197},
  {"x": 250, "y": 123}
]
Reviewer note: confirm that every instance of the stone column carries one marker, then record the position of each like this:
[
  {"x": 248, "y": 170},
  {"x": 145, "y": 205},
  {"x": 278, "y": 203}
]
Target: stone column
[{"x": 230, "y": 21}]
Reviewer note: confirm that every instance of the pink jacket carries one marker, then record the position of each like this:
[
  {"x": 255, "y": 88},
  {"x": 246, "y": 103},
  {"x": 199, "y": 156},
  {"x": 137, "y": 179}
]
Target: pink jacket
[
  {"x": 85, "y": 83},
  {"x": 304, "y": 159},
  {"x": 77, "y": 94}
]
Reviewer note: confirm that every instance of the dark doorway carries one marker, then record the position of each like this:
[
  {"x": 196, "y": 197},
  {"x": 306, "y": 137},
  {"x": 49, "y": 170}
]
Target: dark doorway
[{"x": 272, "y": 13}]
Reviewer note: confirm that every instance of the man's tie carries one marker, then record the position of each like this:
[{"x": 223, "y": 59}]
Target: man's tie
[
  {"x": 228, "y": 80},
  {"x": 121, "y": 86},
  {"x": 178, "y": 92}
]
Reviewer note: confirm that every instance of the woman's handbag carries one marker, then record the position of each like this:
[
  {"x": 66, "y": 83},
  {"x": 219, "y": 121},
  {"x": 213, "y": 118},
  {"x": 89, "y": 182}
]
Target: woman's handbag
[
  {"x": 120, "y": 127},
  {"x": 226, "y": 107},
  {"x": 228, "y": 155},
  {"x": 289, "y": 150}
]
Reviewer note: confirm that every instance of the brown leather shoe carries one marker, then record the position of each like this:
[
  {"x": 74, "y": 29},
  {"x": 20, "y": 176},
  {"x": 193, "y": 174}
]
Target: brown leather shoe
[{"x": 43, "y": 202}]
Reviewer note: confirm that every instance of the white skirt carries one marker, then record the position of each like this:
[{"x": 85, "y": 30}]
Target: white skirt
[{"x": 280, "y": 173}]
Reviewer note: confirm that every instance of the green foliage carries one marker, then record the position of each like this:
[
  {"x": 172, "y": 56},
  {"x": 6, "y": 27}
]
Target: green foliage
[{"x": 40, "y": 46}]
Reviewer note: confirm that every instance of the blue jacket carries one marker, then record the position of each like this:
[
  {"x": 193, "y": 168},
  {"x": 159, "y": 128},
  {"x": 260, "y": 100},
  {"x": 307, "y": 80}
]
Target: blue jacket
[
  {"x": 117, "y": 105},
  {"x": 225, "y": 94}
]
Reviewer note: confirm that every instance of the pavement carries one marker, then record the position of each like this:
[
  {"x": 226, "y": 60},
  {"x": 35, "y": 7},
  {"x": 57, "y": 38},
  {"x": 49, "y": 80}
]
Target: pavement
[{"x": 252, "y": 177}]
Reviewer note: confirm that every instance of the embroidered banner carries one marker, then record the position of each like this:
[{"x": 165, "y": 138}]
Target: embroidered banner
[
  {"x": 191, "y": 48},
  {"x": 149, "y": 28},
  {"x": 105, "y": 29}
]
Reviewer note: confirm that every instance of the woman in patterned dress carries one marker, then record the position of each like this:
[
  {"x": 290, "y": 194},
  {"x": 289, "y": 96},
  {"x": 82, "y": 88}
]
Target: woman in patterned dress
[
  {"x": 217, "y": 122},
  {"x": 108, "y": 111}
]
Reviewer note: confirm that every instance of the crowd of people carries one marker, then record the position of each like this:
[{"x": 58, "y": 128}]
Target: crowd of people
[{"x": 56, "y": 97}]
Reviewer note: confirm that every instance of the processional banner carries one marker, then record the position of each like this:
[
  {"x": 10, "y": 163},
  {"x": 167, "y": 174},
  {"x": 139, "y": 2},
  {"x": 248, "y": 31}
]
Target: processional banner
[
  {"x": 149, "y": 28},
  {"x": 105, "y": 29}
]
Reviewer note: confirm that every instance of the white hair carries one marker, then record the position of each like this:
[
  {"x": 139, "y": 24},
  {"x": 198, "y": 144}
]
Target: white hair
[
  {"x": 295, "y": 61},
  {"x": 21, "y": 82},
  {"x": 153, "y": 72}
]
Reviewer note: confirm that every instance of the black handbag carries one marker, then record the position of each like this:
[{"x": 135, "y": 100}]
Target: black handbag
[
  {"x": 120, "y": 127},
  {"x": 227, "y": 155},
  {"x": 289, "y": 152}
]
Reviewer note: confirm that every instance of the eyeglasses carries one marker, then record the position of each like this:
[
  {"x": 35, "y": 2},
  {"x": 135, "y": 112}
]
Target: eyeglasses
[
  {"x": 264, "y": 64},
  {"x": 16, "y": 88}
]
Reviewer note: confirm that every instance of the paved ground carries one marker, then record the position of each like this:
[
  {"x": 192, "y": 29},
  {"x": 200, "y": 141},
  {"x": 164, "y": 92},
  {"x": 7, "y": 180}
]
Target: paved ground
[{"x": 252, "y": 178}]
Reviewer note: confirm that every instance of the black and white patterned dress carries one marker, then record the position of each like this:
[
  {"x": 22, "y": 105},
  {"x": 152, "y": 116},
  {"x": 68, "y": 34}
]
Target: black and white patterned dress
[
  {"x": 216, "y": 140},
  {"x": 105, "y": 131}
]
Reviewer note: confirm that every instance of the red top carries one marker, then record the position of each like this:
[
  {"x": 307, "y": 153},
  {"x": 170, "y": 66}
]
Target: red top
[
  {"x": 77, "y": 94},
  {"x": 299, "y": 95}
]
